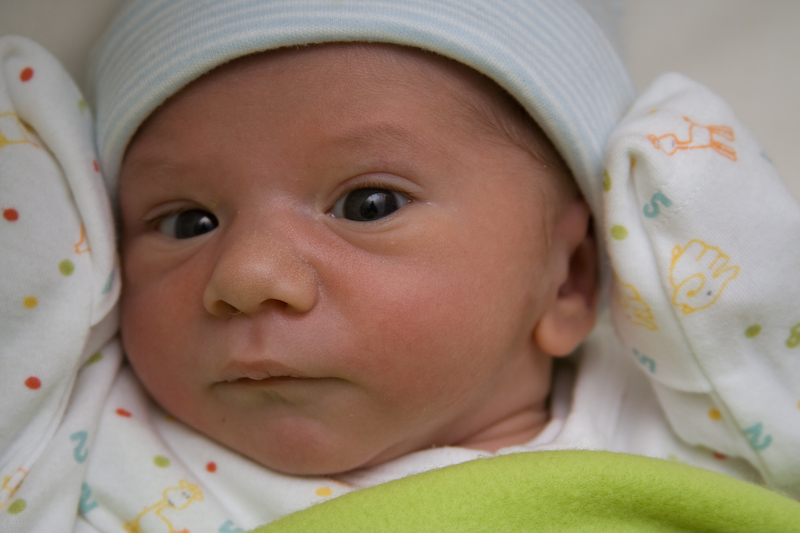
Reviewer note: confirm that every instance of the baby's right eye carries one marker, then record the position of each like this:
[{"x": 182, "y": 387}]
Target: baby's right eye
[{"x": 187, "y": 224}]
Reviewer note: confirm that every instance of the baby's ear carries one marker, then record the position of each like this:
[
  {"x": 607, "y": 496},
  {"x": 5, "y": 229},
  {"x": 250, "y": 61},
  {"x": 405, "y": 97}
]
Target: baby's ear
[{"x": 571, "y": 311}]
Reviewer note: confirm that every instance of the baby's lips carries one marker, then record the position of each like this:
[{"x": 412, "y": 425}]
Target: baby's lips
[{"x": 254, "y": 371}]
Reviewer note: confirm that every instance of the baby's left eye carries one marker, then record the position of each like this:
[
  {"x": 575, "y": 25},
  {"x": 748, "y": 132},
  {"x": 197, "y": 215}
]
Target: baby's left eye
[
  {"x": 188, "y": 224},
  {"x": 368, "y": 204}
]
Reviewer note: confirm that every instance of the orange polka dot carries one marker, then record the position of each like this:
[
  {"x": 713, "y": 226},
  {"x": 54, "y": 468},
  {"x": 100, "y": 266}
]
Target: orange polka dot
[
  {"x": 122, "y": 412},
  {"x": 211, "y": 466},
  {"x": 714, "y": 414},
  {"x": 720, "y": 456},
  {"x": 11, "y": 215},
  {"x": 96, "y": 166},
  {"x": 26, "y": 74},
  {"x": 33, "y": 383},
  {"x": 323, "y": 491}
]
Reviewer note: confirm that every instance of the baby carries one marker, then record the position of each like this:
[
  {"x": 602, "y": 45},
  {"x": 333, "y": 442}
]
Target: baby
[
  {"x": 355, "y": 240},
  {"x": 350, "y": 266}
]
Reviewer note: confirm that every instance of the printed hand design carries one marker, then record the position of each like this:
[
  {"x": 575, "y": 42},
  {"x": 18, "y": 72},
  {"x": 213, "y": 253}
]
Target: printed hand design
[
  {"x": 699, "y": 273},
  {"x": 634, "y": 307}
]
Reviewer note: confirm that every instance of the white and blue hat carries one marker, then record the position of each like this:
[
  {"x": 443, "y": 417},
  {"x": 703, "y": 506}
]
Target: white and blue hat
[{"x": 554, "y": 56}]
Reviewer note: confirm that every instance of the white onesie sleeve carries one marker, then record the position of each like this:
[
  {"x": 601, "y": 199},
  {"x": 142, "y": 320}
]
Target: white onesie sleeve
[
  {"x": 704, "y": 241},
  {"x": 58, "y": 285}
]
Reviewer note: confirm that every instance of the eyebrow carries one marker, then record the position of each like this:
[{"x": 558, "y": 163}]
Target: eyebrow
[{"x": 380, "y": 131}]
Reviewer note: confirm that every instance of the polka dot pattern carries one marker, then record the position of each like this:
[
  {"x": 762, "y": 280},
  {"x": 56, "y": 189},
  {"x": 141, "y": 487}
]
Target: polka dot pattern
[
  {"x": 17, "y": 506},
  {"x": 161, "y": 461},
  {"x": 33, "y": 383},
  {"x": 94, "y": 359},
  {"x": 752, "y": 331},
  {"x": 66, "y": 267},
  {"x": 323, "y": 491},
  {"x": 30, "y": 302},
  {"x": 10, "y": 214},
  {"x": 26, "y": 74},
  {"x": 619, "y": 233},
  {"x": 606, "y": 182}
]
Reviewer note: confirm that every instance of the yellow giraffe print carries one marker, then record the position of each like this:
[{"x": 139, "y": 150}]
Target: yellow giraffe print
[
  {"x": 176, "y": 498},
  {"x": 14, "y": 131}
]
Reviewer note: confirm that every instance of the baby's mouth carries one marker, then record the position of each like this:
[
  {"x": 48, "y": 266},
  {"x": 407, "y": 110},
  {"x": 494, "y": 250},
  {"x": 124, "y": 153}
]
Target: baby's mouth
[
  {"x": 260, "y": 373},
  {"x": 266, "y": 380}
]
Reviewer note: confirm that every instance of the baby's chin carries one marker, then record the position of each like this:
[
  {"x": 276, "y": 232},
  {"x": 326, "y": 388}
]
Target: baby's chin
[
  {"x": 299, "y": 455},
  {"x": 331, "y": 463}
]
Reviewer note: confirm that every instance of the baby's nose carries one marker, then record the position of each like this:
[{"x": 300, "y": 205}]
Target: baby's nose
[{"x": 259, "y": 269}]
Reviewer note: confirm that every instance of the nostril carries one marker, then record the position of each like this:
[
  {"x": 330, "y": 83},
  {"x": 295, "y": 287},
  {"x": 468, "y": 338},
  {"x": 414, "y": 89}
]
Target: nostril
[{"x": 223, "y": 309}]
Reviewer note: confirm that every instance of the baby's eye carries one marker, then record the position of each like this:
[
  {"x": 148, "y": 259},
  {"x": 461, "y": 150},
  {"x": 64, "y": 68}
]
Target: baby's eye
[
  {"x": 368, "y": 204},
  {"x": 187, "y": 224}
]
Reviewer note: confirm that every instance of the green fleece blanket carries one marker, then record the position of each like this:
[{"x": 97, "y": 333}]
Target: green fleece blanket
[{"x": 555, "y": 491}]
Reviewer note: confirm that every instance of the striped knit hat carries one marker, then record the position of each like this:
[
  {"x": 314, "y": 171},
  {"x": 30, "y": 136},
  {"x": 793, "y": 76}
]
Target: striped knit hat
[{"x": 551, "y": 55}]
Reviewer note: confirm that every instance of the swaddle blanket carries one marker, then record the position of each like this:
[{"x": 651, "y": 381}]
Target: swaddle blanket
[
  {"x": 555, "y": 491},
  {"x": 83, "y": 448}
]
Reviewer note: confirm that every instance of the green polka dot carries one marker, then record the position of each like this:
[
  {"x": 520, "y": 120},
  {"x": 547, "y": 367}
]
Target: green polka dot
[
  {"x": 606, "y": 181},
  {"x": 17, "y": 506},
  {"x": 66, "y": 267},
  {"x": 619, "y": 232},
  {"x": 161, "y": 461},
  {"x": 82, "y": 105},
  {"x": 752, "y": 331},
  {"x": 94, "y": 358}
]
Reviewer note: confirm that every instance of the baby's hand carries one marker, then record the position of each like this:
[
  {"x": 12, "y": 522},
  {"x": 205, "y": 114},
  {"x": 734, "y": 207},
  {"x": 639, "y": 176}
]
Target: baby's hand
[{"x": 699, "y": 273}]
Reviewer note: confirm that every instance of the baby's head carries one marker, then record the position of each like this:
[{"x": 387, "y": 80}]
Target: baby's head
[{"x": 338, "y": 254}]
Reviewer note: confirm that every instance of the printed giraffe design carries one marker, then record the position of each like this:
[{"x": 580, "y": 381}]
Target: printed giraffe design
[
  {"x": 82, "y": 246},
  {"x": 636, "y": 310},
  {"x": 699, "y": 137},
  {"x": 14, "y": 131},
  {"x": 699, "y": 273},
  {"x": 10, "y": 485},
  {"x": 175, "y": 498}
]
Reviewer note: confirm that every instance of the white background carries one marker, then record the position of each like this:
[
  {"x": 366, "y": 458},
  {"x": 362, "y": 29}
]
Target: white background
[{"x": 748, "y": 51}]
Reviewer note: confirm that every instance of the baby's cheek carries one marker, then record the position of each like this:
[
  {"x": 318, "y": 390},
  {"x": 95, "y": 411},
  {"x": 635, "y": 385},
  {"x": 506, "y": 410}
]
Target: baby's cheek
[{"x": 150, "y": 339}]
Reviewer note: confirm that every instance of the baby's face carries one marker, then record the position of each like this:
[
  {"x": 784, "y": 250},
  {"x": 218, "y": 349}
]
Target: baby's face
[{"x": 328, "y": 264}]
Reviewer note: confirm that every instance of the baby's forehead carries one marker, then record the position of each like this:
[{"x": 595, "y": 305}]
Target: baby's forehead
[
  {"x": 407, "y": 68},
  {"x": 484, "y": 107},
  {"x": 443, "y": 86},
  {"x": 459, "y": 101}
]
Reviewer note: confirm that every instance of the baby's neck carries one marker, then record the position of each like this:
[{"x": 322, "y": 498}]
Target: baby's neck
[{"x": 518, "y": 428}]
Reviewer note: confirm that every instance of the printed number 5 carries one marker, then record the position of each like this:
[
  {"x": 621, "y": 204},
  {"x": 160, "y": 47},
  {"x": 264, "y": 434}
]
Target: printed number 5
[{"x": 652, "y": 210}]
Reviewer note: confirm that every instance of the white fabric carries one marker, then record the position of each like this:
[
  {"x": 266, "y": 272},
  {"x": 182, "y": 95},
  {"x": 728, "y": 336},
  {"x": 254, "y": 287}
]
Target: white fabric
[
  {"x": 82, "y": 438},
  {"x": 704, "y": 239}
]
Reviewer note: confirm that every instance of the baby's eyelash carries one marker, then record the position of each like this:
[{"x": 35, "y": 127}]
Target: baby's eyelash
[
  {"x": 152, "y": 222},
  {"x": 375, "y": 184}
]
